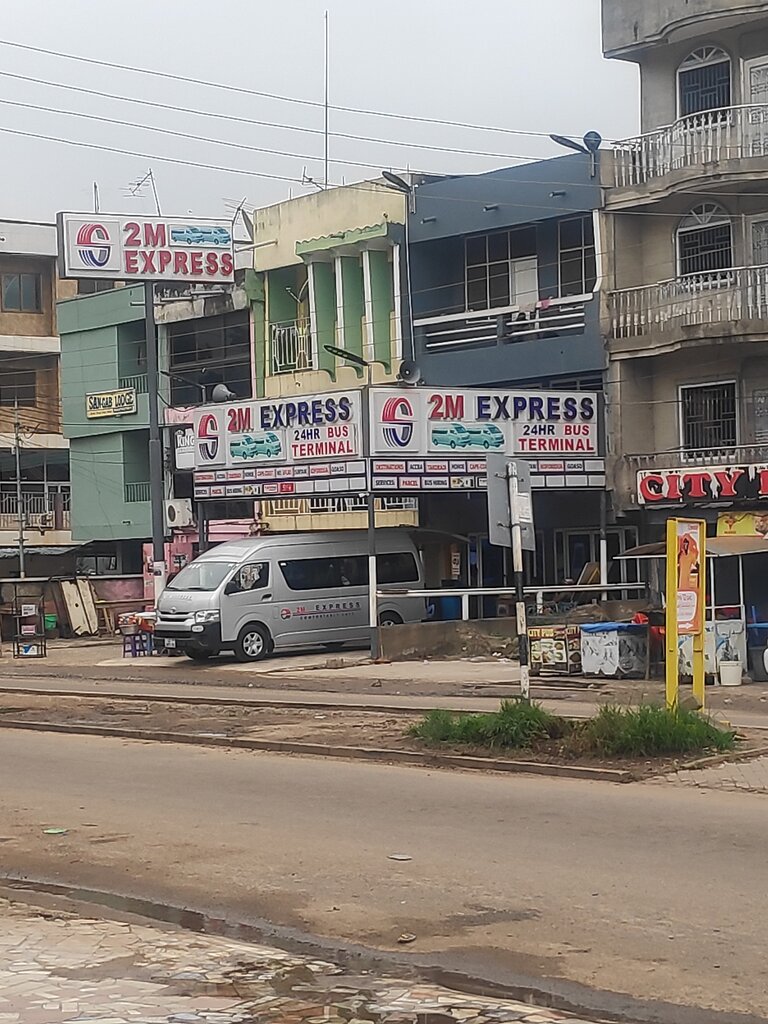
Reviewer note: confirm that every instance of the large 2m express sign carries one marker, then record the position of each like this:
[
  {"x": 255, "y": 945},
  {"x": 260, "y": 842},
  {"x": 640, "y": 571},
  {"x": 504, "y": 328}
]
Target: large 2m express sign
[
  {"x": 472, "y": 421},
  {"x": 146, "y": 248}
]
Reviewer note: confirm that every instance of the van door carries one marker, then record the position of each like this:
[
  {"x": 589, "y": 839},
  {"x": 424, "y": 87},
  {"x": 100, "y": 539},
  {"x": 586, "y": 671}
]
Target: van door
[
  {"x": 246, "y": 598},
  {"x": 325, "y": 599}
]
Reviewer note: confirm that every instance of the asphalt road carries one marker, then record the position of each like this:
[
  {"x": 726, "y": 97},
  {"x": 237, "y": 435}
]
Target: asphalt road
[{"x": 655, "y": 890}]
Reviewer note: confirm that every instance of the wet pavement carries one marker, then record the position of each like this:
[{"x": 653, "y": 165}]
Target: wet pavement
[{"x": 57, "y": 966}]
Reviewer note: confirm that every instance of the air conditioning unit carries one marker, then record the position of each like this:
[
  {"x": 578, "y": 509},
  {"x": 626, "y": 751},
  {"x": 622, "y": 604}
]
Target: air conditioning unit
[{"x": 178, "y": 513}]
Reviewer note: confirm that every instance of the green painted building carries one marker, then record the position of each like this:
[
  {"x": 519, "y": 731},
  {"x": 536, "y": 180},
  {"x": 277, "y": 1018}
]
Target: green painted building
[{"x": 103, "y": 350}]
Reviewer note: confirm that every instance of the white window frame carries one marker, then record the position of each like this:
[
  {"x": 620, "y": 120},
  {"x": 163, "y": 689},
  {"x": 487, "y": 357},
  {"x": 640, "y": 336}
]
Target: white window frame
[
  {"x": 749, "y": 253},
  {"x": 691, "y": 456},
  {"x": 746, "y": 67},
  {"x": 520, "y": 261},
  {"x": 706, "y": 62},
  {"x": 680, "y": 230},
  {"x": 583, "y": 217}
]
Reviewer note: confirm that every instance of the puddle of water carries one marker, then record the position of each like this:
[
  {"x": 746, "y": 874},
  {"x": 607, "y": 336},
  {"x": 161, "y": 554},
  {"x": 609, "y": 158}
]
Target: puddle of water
[{"x": 356, "y": 959}]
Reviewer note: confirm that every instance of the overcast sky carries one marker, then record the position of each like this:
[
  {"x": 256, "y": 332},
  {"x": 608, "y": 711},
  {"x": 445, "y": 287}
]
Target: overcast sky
[{"x": 512, "y": 64}]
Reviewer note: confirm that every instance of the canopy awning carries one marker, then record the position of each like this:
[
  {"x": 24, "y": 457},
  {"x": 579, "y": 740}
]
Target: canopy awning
[{"x": 717, "y": 547}]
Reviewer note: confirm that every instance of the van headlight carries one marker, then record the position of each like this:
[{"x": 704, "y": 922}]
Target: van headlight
[{"x": 212, "y": 615}]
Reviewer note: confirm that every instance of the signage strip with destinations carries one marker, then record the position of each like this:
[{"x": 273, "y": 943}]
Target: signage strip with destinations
[
  {"x": 421, "y": 440},
  {"x": 145, "y": 248}
]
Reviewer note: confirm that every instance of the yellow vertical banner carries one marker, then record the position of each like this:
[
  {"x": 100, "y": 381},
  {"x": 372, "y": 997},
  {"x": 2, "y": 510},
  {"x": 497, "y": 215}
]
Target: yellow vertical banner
[{"x": 686, "y": 602}]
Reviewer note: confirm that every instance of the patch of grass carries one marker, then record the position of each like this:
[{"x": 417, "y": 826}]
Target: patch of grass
[
  {"x": 649, "y": 731},
  {"x": 517, "y": 724},
  {"x": 646, "y": 731}
]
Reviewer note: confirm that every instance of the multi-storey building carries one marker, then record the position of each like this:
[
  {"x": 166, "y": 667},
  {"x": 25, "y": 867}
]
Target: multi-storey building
[
  {"x": 329, "y": 272},
  {"x": 30, "y": 400},
  {"x": 686, "y": 314},
  {"x": 505, "y": 273}
]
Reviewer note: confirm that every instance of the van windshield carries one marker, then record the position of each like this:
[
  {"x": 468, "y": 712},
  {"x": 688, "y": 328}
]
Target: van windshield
[{"x": 201, "y": 576}]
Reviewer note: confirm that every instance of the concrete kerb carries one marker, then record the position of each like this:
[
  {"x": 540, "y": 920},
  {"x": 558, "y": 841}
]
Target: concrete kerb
[{"x": 371, "y": 754}]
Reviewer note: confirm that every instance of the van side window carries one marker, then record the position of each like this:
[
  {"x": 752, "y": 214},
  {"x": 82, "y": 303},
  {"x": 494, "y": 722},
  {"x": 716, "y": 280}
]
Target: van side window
[
  {"x": 348, "y": 571},
  {"x": 325, "y": 573},
  {"x": 397, "y": 567},
  {"x": 254, "y": 576}
]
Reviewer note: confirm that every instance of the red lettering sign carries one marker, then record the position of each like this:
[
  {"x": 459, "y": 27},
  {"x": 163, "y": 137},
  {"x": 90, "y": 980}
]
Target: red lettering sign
[{"x": 688, "y": 487}]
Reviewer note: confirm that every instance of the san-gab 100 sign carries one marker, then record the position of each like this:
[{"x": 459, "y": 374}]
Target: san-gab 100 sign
[
  {"x": 282, "y": 446},
  {"x": 439, "y": 439},
  {"x": 145, "y": 248}
]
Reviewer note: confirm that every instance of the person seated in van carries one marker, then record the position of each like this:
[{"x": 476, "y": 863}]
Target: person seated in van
[{"x": 250, "y": 577}]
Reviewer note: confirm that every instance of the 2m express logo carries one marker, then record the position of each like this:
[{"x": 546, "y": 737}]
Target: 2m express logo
[
  {"x": 397, "y": 418},
  {"x": 93, "y": 245},
  {"x": 208, "y": 437}
]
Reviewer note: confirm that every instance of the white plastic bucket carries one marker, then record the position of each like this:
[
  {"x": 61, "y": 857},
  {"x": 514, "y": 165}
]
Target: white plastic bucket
[{"x": 730, "y": 673}]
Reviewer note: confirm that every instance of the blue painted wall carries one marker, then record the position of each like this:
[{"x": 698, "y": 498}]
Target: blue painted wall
[{"x": 449, "y": 209}]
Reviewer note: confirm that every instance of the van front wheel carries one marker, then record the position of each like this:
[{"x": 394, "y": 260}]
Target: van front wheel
[{"x": 253, "y": 644}]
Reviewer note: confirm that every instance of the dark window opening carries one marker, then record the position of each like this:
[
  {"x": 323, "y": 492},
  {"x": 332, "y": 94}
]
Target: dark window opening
[
  {"x": 220, "y": 345},
  {"x": 22, "y": 293},
  {"x": 709, "y": 417}
]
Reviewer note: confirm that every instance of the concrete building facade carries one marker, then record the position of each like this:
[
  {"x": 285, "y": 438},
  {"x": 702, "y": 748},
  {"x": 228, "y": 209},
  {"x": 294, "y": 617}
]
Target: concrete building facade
[
  {"x": 686, "y": 220},
  {"x": 29, "y": 392}
]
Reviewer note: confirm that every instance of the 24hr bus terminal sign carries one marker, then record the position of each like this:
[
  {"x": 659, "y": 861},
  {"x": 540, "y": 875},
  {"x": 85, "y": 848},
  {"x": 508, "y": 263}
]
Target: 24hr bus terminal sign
[{"x": 422, "y": 439}]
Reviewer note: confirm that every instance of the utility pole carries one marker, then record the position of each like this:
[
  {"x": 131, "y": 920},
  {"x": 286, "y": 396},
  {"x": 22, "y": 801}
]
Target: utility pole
[
  {"x": 516, "y": 527},
  {"x": 156, "y": 479},
  {"x": 326, "y": 100},
  {"x": 19, "y": 505}
]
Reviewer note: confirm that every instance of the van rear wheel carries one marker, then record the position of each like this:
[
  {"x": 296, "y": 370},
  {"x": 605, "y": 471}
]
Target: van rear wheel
[
  {"x": 254, "y": 643},
  {"x": 390, "y": 619}
]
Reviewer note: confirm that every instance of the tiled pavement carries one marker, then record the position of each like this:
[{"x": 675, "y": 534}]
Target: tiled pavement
[
  {"x": 56, "y": 966},
  {"x": 748, "y": 776}
]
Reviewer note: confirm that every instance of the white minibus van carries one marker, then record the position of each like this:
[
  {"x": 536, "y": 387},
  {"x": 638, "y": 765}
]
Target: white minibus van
[{"x": 285, "y": 591}]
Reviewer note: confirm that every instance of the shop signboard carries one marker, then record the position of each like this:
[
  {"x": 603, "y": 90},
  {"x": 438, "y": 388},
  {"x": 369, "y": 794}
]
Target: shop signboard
[
  {"x": 422, "y": 439},
  {"x": 695, "y": 485},
  {"x": 686, "y": 597},
  {"x": 280, "y": 447},
  {"x": 184, "y": 448},
  {"x": 194, "y": 250},
  {"x": 101, "y": 404},
  {"x": 438, "y": 439},
  {"x": 743, "y": 524}
]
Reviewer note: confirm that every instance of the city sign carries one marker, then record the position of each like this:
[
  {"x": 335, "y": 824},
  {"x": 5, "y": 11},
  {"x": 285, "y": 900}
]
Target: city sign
[
  {"x": 121, "y": 402},
  {"x": 421, "y": 440},
  {"x": 683, "y": 486},
  {"x": 145, "y": 248}
]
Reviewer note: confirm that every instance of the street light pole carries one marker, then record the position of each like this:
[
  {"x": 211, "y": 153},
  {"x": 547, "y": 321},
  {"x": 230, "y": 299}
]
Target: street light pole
[
  {"x": 370, "y": 500},
  {"x": 19, "y": 495},
  {"x": 156, "y": 478}
]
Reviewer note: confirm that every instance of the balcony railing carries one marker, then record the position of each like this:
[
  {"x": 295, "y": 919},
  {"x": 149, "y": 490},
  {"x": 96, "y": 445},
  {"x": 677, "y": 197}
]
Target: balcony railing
[
  {"x": 546, "y": 318},
  {"x": 340, "y": 503},
  {"x": 137, "y": 491},
  {"x": 137, "y": 381},
  {"x": 40, "y": 508},
  {"x": 722, "y": 297},
  {"x": 291, "y": 346},
  {"x": 733, "y": 455},
  {"x": 694, "y": 141}
]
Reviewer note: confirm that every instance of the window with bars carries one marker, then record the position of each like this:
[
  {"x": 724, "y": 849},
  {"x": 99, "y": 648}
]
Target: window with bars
[
  {"x": 704, "y": 81},
  {"x": 19, "y": 387},
  {"x": 705, "y": 241},
  {"x": 709, "y": 418},
  {"x": 578, "y": 262},
  {"x": 220, "y": 345},
  {"x": 501, "y": 269},
  {"x": 21, "y": 293}
]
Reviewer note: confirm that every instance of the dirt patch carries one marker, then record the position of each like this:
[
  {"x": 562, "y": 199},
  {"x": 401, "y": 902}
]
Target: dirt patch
[{"x": 342, "y": 727}]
